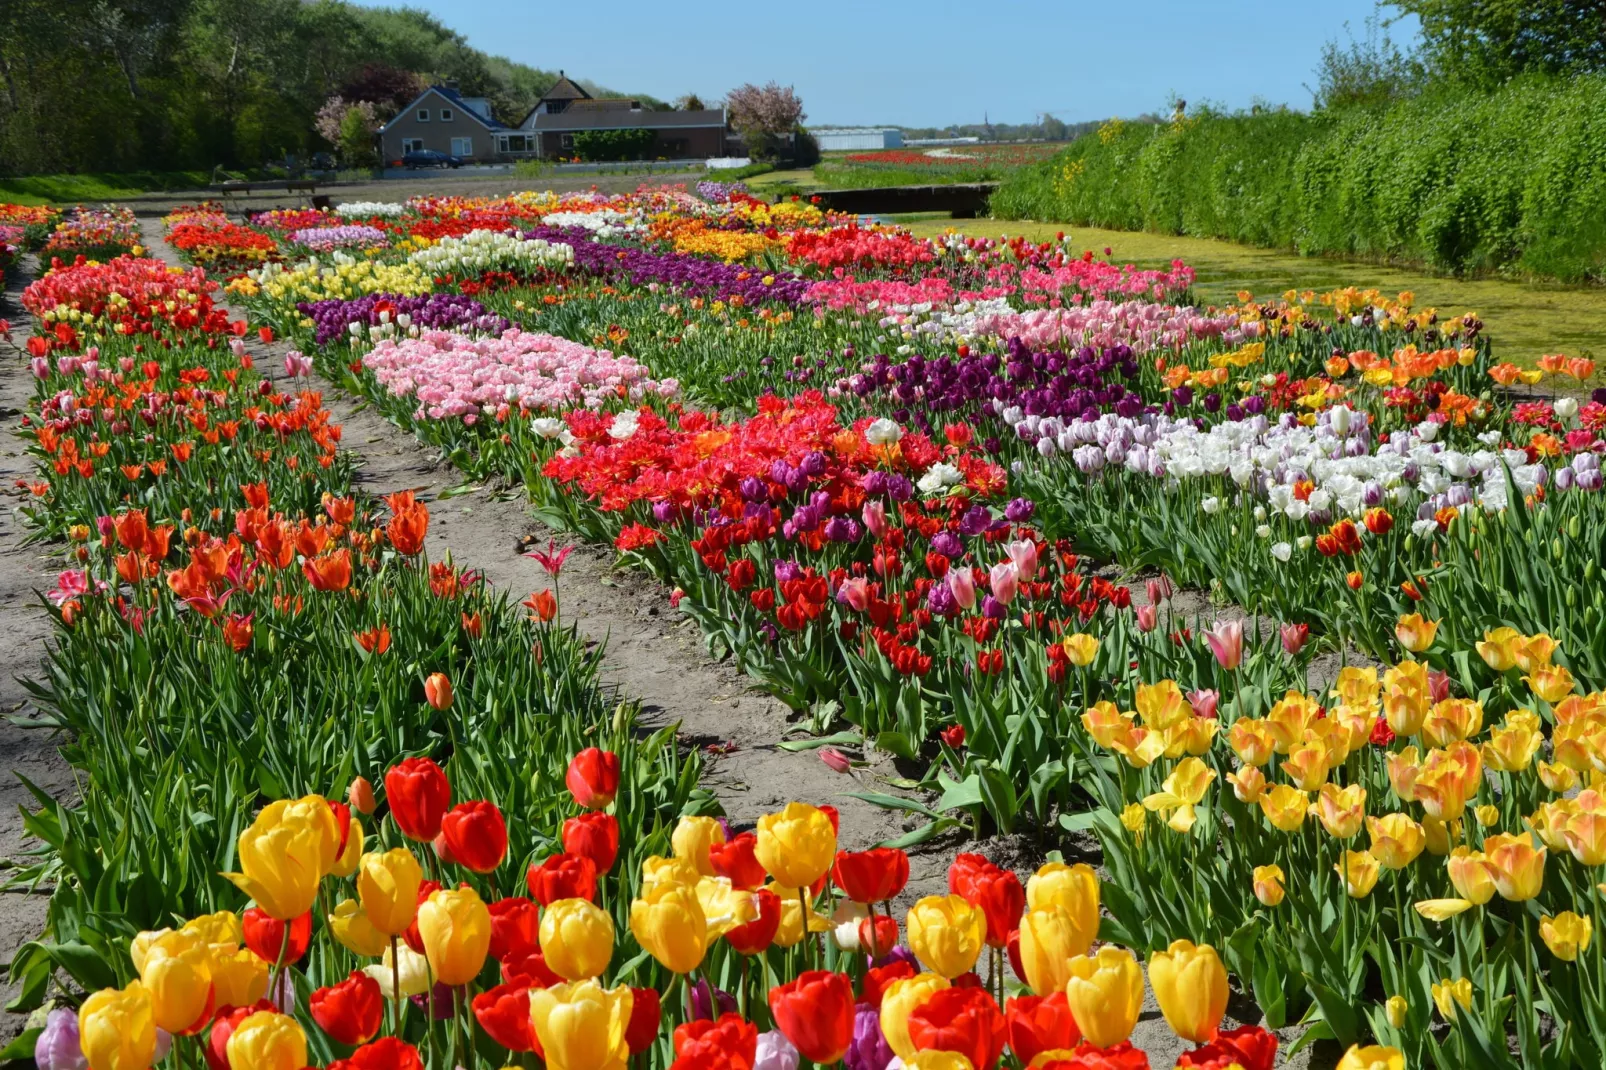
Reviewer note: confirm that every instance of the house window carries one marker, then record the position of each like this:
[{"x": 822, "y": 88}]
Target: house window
[
  {"x": 462, "y": 146},
  {"x": 412, "y": 144},
  {"x": 423, "y": 115},
  {"x": 446, "y": 115},
  {"x": 566, "y": 142}
]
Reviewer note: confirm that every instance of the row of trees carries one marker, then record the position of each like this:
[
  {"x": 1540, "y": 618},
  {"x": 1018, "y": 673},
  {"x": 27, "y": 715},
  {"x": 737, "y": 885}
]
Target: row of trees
[{"x": 161, "y": 85}]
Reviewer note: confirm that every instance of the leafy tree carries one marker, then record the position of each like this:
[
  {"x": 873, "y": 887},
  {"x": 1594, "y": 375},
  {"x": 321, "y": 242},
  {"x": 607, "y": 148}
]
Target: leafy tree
[
  {"x": 1370, "y": 72},
  {"x": 690, "y": 102},
  {"x": 1492, "y": 41},
  {"x": 763, "y": 115}
]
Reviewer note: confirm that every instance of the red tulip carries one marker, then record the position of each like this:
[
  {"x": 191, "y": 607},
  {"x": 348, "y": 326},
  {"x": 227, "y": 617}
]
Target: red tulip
[
  {"x": 593, "y": 835},
  {"x": 504, "y": 1013},
  {"x": 963, "y": 871},
  {"x": 438, "y": 690},
  {"x": 515, "y": 927},
  {"x": 426, "y": 888},
  {"x": 593, "y": 778},
  {"x": 419, "y": 794},
  {"x": 1002, "y": 899},
  {"x": 965, "y": 1020},
  {"x": 757, "y": 935},
  {"x": 1121, "y": 1057},
  {"x": 1038, "y": 1024},
  {"x": 815, "y": 1012},
  {"x": 1012, "y": 948},
  {"x": 872, "y": 876},
  {"x": 528, "y": 971},
  {"x": 878, "y": 935},
  {"x": 562, "y": 876},
  {"x": 1249, "y": 1046},
  {"x": 264, "y": 935},
  {"x": 730, "y": 1042},
  {"x": 831, "y": 815},
  {"x": 735, "y": 861},
  {"x": 352, "y": 1011},
  {"x": 878, "y": 979},
  {"x": 645, "y": 1019},
  {"x": 386, "y": 1053},
  {"x": 223, "y": 1026},
  {"x": 476, "y": 835}
]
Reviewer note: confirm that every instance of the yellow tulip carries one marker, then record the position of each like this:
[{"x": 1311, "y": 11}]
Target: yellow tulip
[
  {"x": 1373, "y": 1057},
  {"x": 796, "y": 846},
  {"x": 668, "y": 922},
  {"x": 1517, "y": 867},
  {"x": 1341, "y": 810},
  {"x": 656, "y": 870},
  {"x": 355, "y": 932},
  {"x": 1161, "y": 705},
  {"x": 1551, "y": 683},
  {"x": 387, "y": 884},
  {"x": 1290, "y": 719},
  {"x": 267, "y": 1041},
  {"x": 1074, "y": 888},
  {"x": 1105, "y": 724},
  {"x": 576, "y": 939},
  {"x": 1566, "y": 934},
  {"x": 1470, "y": 873},
  {"x": 1190, "y": 984},
  {"x": 1359, "y": 872},
  {"x": 1193, "y": 735},
  {"x": 1415, "y": 633},
  {"x": 351, "y": 855},
  {"x": 937, "y": 1059},
  {"x": 1534, "y": 652},
  {"x": 1498, "y": 649},
  {"x": 1403, "y": 769},
  {"x": 1268, "y": 883},
  {"x": 1285, "y": 807},
  {"x": 1442, "y": 909},
  {"x": 1306, "y": 766},
  {"x": 1248, "y": 784},
  {"x": 1447, "y": 994},
  {"x": 1437, "y": 835},
  {"x": 790, "y": 931},
  {"x": 1105, "y": 994},
  {"x": 455, "y": 926},
  {"x": 581, "y": 1025},
  {"x": 1395, "y": 1009},
  {"x": 1447, "y": 779},
  {"x": 1049, "y": 939},
  {"x": 222, "y": 927},
  {"x": 1406, "y": 696},
  {"x": 177, "y": 973},
  {"x": 1184, "y": 789},
  {"x": 1584, "y": 831},
  {"x": 117, "y": 1028},
  {"x": 410, "y": 968},
  {"x": 1135, "y": 819},
  {"x": 1396, "y": 840},
  {"x": 692, "y": 840},
  {"x": 1513, "y": 745},
  {"x": 1550, "y": 821},
  {"x": 1358, "y": 687},
  {"x": 239, "y": 978},
  {"x": 1451, "y": 721},
  {"x": 946, "y": 934},
  {"x": 1252, "y": 741},
  {"x": 901, "y": 999},
  {"x": 1555, "y": 776},
  {"x": 282, "y": 858},
  {"x": 1080, "y": 649}
]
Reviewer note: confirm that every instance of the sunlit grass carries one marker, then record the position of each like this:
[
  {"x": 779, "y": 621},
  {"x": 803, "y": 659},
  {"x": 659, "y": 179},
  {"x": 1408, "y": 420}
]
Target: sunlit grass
[{"x": 1524, "y": 319}]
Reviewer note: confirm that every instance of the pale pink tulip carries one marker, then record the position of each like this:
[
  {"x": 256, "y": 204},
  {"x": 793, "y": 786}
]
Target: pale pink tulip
[
  {"x": 855, "y": 593},
  {"x": 1005, "y": 581},
  {"x": 962, "y": 585},
  {"x": 1023, "y": 555},
  {"x": 1204, "y": 702},
  {"x": 1148, "y": 617},
  {"x": 1226, "y": 641},
  {"x": 875, "y": 519}
]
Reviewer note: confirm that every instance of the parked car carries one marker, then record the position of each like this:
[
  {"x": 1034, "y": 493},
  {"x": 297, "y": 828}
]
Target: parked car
[{"x": 430, "y": 158}]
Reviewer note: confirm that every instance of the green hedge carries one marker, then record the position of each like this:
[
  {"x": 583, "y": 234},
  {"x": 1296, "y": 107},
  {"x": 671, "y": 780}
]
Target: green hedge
[{"x": 1513, "y": 180}]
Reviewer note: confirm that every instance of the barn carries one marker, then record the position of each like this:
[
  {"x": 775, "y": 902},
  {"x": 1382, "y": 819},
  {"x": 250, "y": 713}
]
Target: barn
[{"x": 858, "y": 138}]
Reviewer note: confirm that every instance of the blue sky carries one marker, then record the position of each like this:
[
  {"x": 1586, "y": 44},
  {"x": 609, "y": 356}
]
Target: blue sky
[{"x": 931, "y": 62}]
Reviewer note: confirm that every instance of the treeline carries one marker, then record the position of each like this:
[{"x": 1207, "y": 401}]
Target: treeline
[{"x": 165, "y": 85}]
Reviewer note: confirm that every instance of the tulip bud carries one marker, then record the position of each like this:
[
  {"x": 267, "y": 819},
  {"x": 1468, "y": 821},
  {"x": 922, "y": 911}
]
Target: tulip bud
[
  {"x": 438, "y": 691},
  {"x": 360, "y": 796},
  {"x": 1395, "y": 1009}
]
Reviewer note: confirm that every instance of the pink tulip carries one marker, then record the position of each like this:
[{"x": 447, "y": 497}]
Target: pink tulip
[
  {"x": 1023, "y": 555},
  {"x": 962, "y": 585},
  {"x": 1438, "y": 685},
  {"x": 1226, "y": 641},
  {"x": 1294, "y": 637},
  {"x": 1148, "y": 617},
  {"x": 1204, "y": 702},
  {"x": 835, "y": 759},
  {"x": 875, "y": 519},
  {"x": 1159, "y": 589},
  {"x": 297, "y": 366},
  {"x": 855, "y": 593},
  {"x": 40, "y": 367},
  {"x": 1005, "y": 581}
]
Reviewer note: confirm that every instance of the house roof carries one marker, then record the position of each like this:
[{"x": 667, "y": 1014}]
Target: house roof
[
  {"x": 564, "y": 89},
  {"x": 600, "y": 119},
  {"x": 452, "y": 95}
]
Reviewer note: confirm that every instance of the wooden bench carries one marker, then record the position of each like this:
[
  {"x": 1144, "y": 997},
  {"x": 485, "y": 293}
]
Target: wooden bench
[{"x": 245, "y": 187}]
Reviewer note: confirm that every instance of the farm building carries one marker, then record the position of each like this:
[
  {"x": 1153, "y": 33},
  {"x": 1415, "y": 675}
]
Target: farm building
[{"x": 858, "y": 138}]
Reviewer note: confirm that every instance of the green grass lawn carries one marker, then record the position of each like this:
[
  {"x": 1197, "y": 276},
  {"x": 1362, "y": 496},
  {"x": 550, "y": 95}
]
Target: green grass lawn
[
  {"x": 1524, "y": 319},
  {"x": 83, "y": 189}
]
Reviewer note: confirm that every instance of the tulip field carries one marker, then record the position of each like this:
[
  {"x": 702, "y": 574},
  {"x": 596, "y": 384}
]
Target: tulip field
[{"x": 1290, "y": 611}]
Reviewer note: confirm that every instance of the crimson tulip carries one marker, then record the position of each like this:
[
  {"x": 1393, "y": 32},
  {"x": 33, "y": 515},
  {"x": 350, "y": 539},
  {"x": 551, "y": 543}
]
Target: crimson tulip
[
  {"x": 418, "y": 793},
  {"x": 877, "y": 979},
  {"x": 730, "y": 1041},
  {"x": 1122, "y": 1056},
  {"x": 645, "y": 1019},
  {"x": 1250, "y": 1047},
  {"x": 563, "y": 876},
  {"x": 815, "y": 1012},
  {"x": 1002, "y": 899},
  {"x": 757, "y": 935},
  {"x": 265, "y": 936},
  {"x": 963, "y": 1020},
  {"x": 963, "y": 871},
  {"x": 515, "y": 925},
  {"x": 736, "y": 862},
  {"x": 352, "y": 1011},
  {"x": 593, "y": 835},
  {"x": 414, "y": 940},
  {"x": 878, "y": 935},
  {"x": 1040, "y": 1023},
  {"x": 872, "y": 876},
  {"x": 529, "y": 970},
  {"x": 386, "y": 1053},
  {"x": 593, "y": 778},
  {"x": 504, "y": 1013},
  {"x": 476, "y": 835}
]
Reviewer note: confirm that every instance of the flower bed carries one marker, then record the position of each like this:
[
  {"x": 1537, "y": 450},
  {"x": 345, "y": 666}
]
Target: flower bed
[{"x": 96, "y": 233}]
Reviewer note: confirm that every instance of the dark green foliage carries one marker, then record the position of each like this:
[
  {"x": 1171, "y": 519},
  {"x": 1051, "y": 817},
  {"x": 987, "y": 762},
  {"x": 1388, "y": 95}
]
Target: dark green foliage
[
  {"x": 1488, "y": 42},
  {"x": 1459, "y": 180},
  {"x": 613, "y": 144}
]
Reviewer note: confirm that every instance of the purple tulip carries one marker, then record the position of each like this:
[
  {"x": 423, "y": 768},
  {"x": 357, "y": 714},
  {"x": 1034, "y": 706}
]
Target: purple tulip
[
  {"x": 708, "y": 1002},
  {"x": 869, "y": 1050},
  {"x": 57, "y": 1047}
]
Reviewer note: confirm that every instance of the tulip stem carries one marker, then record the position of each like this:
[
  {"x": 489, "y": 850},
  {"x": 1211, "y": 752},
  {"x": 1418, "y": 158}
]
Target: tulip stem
[
  {"x": 803, "y": 904},
  {"x": 395, "y": 988}
]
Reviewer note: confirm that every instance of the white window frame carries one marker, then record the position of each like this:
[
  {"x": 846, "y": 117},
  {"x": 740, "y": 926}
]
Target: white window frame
[
  {"x": 412, "y": 144},
  {"x": 466, "y": 142},
  {"x": 423, "y": 115},
  {"x": 446, "y": 115}
]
